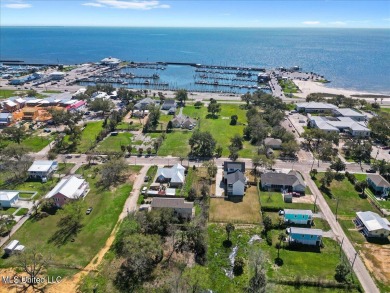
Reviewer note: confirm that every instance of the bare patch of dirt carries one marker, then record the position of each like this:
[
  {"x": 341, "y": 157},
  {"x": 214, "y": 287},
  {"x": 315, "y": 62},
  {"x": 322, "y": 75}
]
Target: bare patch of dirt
[
  {"x": 377, "y": 260},
  {"x": 303, "y": 199}
]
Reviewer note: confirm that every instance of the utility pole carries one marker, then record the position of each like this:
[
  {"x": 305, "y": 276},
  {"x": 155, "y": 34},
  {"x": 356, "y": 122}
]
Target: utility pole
[
  {"x": 356, "y": 253},
  {"x": 315, "y": 203},
  {"x": 341, "y": 246},
  {"x": 337, "y": 207}
]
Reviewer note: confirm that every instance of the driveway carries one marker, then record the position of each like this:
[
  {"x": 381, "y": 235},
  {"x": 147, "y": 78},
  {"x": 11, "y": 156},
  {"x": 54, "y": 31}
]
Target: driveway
[{"x": 219, "y": 185}]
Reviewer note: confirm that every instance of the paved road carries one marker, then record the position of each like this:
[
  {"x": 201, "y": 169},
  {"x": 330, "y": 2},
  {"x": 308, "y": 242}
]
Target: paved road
[{"x": 359, "y": 268}]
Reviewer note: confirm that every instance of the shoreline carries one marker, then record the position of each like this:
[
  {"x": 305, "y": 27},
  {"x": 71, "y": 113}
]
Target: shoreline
[{"x": 308, "y": 87}]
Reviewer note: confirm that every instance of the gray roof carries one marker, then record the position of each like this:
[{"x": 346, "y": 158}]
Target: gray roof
[
  {"x": 297, "y": 212},
  {"x": 306, "y": 231},
  {"x": 175, "y": 173},
  {"x": 378, "y": 180},
  {"x": 290, "y": 179},
  {"x": 235, "y": 176},
  {"x": 160, "y": 202},
  {"x": 349, "y": 112},
  {"x": 372, "y": 221},
  {"x": 234, "y": 165},
  {"x": 5, "y": 115},
  {"x": 169, "y": 103},
  {"x": 272, "y": 141},
  {"x": 316, "y": 105}
]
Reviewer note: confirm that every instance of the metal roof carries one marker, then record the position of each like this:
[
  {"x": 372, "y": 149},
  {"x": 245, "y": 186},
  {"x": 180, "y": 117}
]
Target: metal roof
[
  {"x": 160, "y": 202},
  {"x": 69, "y": 187},
  {"x": 297, "y": 212},
  {"x": 41, "y": 166},
  {"x": 305, "y": 231},
  {"x": 378, "y": 180},
  {"x": 372, "y": 221},
  {"x": 7, "y": 195}
]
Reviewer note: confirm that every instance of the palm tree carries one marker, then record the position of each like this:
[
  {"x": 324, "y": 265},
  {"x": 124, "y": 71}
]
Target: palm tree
[
  {"x": 229, "y": 228},
  {"x": 281, "y": 237}
]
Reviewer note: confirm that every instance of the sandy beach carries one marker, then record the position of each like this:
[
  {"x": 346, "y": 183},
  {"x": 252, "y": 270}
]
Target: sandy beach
[{"x": 308, "y": 87}]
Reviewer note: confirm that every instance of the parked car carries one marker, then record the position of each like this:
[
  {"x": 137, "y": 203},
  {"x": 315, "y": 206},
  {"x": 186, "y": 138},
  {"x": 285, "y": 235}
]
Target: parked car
[
  {"x": 89, "y": 210},
  {"x": 46, "y": 130},
  {"x": 146, "y": 179},
  {"x": 144, "y": 189},
  {"x": 370, "y": 171}
]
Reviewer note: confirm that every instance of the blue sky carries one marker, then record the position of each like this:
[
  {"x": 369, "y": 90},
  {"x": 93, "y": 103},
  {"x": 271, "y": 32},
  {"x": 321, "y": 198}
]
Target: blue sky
[{"x": 179, "y": 13}]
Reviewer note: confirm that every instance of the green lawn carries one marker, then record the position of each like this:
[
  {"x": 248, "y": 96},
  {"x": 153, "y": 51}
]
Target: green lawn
[
  {"x": 64, "y": 168},
  {"x": 385, "y": 110},
  {"x": 114, "y": 143},
  {"x": 88, "y": 136},
  {"x": 22, "y": 211},
  {"x": 8, "y": 211},
  {"x": 220, "y": 127},
  {"x": 288, "y": 86},
  {"x": 107, "y": 205},
  {"x": 33, "y": 142},
  {"x": 52, "y": 92},
  {"x": 275, "y": 201},
  {"x": 39, "y": 187},
  {"x": 349, "y": 200},
  {"x": 5, "y": 94},
  {"x": 128, "y": 126},
  {"x": 175, "y": 144}
]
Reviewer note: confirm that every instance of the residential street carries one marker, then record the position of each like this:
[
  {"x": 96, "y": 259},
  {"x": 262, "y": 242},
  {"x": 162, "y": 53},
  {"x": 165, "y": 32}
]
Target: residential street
[{"x": 359, "y": 268}]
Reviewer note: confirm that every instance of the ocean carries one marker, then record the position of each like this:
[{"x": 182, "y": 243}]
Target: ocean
[{"x": 350, "y": 58}]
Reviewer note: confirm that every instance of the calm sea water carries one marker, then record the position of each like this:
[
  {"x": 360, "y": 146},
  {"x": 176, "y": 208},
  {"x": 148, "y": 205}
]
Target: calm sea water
[{"x": 350, "y": 58}]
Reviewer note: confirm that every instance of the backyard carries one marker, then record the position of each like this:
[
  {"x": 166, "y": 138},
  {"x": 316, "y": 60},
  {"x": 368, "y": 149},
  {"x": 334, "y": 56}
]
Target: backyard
[
  {"x": 274, "y": 201},
  {"x": 246, "y": 211},
  {"x": 88, "y": 136}
]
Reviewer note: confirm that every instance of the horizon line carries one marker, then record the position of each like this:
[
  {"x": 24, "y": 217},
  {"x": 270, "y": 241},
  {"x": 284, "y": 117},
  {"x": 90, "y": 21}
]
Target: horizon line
[{"x": 201, "y": 27}]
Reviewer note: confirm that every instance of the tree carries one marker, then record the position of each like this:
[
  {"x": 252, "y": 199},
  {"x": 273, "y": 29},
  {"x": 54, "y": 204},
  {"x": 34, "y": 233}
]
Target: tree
[
  {"x": 313, "y": 173},
  {"x": 101, "y": 104},
  {"x": 258, "y": 278},
  {"x": 211, "y": 168},
  {"x": 342, "y": 271},
  {"x": 202, "y": 144},
  {"x": 192, "y": 194},
  {"x": 213, "y": 108},
  {"x": 169, "y": 126},
  {"x": 218, "y": 151},
  {"x": 34, "y": 264},
  {"x": 16, "y": 134},
  {"x": 327, "y": 179},
  {"x": 233, "y": 155},
  {"x": 362, "y": 185},
  {"x": 112, "y": 172},
  {"x": 247, "y": 98},
  {"x": 337, "y": 165},
  {"x": 380, "y": 126},
  {"x": 281, "y": 237},
  {"x": 267, "y": 223},
  {"x": 198, "y": 104},
  {"x": 229, "y": 229},
  {"x": 236, "y": 141},
  {"x": 238, "y": 267},
  {"x": 182, "y": 96},
  {"x": 233, "y": 120},
  {"x": 290, "y": 148}
]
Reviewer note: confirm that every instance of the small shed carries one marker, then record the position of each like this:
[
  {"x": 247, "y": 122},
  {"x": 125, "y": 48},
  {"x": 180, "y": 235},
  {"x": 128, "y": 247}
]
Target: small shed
[
  {"x": 8, "y": 198},
  {"x": 287, "y": 197},
  {"x": 9, "y": 249}
]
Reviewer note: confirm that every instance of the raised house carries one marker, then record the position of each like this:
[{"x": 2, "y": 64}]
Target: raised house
[
  {"x": 290, "y": 182},
  {"x": 181, "y": 207},
  {"x": 305, "y": 236},
  {"x": 372, "y": 225},
  {"x": 300, "y": 217}
]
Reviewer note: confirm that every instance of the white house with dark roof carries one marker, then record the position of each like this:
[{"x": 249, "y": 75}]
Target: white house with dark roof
[
  {"x": 8, "y": 198},
  {"x": 181, "y": 207},
  {"x": 68, "y": 189},
  {"x": 174, "y": 175},
  {"x": 291, "y": 181},
  {"x": 372, "y": 225},
  {"x": 234, "y": 178},
  {"x": 42, "y": 169}
]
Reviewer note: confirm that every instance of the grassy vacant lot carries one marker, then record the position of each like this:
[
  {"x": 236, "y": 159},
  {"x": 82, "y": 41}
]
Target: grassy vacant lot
[
  {"x": 349, "y": 200},
  {"x": 88, "y": 136},
  {"x": 175, "y": 144},
  {"x": 5, "y": 94},
  {"x": 275, "y": 200},
  {"x": 33, "y": 142},
  {"x": 246, "y": 211},
  {"x": 295, "y": 263},
  {"x": 107, "y": 205},
  {"x": 113, "y": 143},
  {"x": 128, "y": 126},
  {"x": 220, "y": 127}
]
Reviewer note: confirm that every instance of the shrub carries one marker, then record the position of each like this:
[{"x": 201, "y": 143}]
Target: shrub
[{"x": 268, "y": 238}]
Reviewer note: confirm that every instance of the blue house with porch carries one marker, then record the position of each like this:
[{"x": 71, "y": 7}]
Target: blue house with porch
[
  {"x": 305, "y": 236},
  {"x": 301, "y": 217},
  {"x": 378, "y": 184}
]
